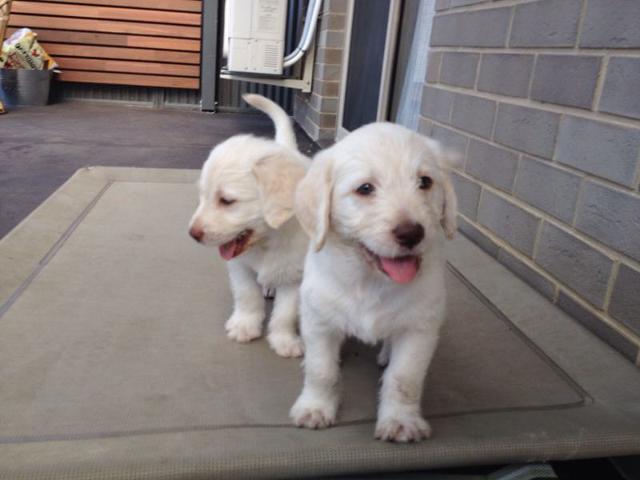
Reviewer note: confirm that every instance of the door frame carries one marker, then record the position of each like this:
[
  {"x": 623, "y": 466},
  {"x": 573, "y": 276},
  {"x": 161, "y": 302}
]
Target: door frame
[{"x": 386, "y": 81}]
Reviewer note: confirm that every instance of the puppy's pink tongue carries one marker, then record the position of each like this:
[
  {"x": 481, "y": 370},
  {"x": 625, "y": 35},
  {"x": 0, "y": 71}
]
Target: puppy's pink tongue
[
  {"x": 401, "y": 270},
  {"x": 228, "y": 250}
]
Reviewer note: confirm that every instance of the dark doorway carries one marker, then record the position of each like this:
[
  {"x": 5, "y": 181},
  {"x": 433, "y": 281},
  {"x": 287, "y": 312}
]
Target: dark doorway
[{"x": 366, "y": 56}]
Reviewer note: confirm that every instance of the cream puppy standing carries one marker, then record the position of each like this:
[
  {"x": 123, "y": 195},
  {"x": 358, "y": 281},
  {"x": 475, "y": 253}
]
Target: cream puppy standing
[
  {"x": 377, "y": 206},
  {"x": 247, "y": 187}
]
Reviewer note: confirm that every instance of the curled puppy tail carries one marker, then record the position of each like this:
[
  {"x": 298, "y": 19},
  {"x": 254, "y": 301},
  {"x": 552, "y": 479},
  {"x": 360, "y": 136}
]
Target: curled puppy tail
[{"x": 282, "y": 122}]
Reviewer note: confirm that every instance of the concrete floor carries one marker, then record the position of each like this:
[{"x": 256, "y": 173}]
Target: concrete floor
[
  {"x": 41, "y": 147},
  {"x": 94, "y": 247}
]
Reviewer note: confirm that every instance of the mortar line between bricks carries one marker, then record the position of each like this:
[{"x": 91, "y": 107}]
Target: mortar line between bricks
[
  {"x": 581, "y": 17},
  {"x": 581, "y": 188},
  {"x": 470, "y": 178},
  {"x": 439, "y": 69},
  {"x": 607, "y": 183},
  {"x": 559, "y": 166},
  {"x": 559, "y": 284},
  {"x": 613, "y": 275},
  {"x": 492, "y": 135},
  {"x": 582, "y": 52},
  {"x": 466, "y": 153},
  {"x": 600, "y": 81},
  {"x": 619, "y": 327},
  {"x": 515, "y": 177},
  {"x": 504, "y": 245},
  {"x": 512, "y": 16},
  {"x": 331, "y": 14},
  {"x": 533, "y": 74},
  {"x": 530, "y": 262},
  {"x": 577, "y": 173},
  {"x": 495, "y": 5},
  {"x": 637, "y": 177},
  {"x": 480, "y": 199},
  {"x": 556, "y": 135},
  {"x": 478, "y": 66},
  {"x": 581, "y": 236},
  {"x": 545, "y": 107},
  {"x": 611, "y": 186},
  {"x": 536, "y": 240}
]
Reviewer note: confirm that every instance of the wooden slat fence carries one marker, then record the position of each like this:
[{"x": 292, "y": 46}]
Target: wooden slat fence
[{"x": 152, "y": 43}]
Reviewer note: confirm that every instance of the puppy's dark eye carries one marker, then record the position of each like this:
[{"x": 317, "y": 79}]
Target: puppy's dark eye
[
  {"x": 226, "y": 201},
  {"x": 426, "y": 183},
  {"x": 365, "y": 189}
]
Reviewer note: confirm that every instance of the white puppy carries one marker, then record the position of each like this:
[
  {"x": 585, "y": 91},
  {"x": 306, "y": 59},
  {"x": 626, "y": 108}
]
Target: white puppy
[
  {"x": 247, "y": 188},
  {"x": 375, "y": 205}
]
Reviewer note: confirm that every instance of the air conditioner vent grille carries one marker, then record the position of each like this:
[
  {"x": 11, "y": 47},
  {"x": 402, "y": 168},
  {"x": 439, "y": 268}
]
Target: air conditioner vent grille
[{"x": 271, "y": 56}]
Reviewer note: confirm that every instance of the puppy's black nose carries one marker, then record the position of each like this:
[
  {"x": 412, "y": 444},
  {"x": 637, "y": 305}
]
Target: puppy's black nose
[
  {"x": 196, "y": 233},
  {"x": 408, "y": 234}
]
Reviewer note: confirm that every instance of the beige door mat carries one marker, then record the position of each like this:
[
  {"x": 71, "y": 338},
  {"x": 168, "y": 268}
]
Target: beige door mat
[{"x": 114, "y": 363}]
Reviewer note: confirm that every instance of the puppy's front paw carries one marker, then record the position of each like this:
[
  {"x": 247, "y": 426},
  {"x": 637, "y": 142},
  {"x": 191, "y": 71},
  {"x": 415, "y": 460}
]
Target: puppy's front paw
[
  {"x": 243, "y": 328},
  {"x": 403, "y": 428},
  {"x": 286, "y": 344},
  {"x": 313, "y": 413}
]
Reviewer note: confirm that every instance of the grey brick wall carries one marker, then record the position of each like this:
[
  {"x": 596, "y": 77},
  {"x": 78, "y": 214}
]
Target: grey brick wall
[
  {"x": 316, "y": 112},
  {"x": 566, "y": 79},
  {"x": 459, "y": 69},
  {"x": 541, "y": 98},
  {"x": 506, "y": 74},
  {"x": 493, "y": 165}
]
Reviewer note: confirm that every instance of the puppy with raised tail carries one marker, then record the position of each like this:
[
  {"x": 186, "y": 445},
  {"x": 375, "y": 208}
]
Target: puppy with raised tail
[
  {"x": 377, "y": 206},
  {"x": 247, "y": 188}
]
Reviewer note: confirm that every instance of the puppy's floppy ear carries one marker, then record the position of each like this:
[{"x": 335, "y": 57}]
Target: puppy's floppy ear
[
  {"x": 277, "y": 176},
  {"x": 313, "y": 200},
  {"x": 450, "y": 208},
  {"x": 446, "y": 161}
]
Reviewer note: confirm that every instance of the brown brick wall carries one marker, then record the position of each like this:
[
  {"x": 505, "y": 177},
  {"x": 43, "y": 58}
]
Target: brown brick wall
[{"x": 316, "y": 112}]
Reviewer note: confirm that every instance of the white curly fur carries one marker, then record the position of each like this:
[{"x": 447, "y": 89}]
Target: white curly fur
[
  {"x": 259, "y": 175},
  {"x": 343, "y": 293}
]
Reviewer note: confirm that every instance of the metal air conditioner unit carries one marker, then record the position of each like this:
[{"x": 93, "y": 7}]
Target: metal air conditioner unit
[
  {"x": 254, "y": 43},
  {"x": 256, "y": 36}
]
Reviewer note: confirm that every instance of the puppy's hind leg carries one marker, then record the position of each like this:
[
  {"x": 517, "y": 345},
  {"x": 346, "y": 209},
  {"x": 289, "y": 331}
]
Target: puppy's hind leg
[
  {"x": 283, "y": 337},
  {"x": 399, "y": 416},
  {"x": 248, "y": 311}
]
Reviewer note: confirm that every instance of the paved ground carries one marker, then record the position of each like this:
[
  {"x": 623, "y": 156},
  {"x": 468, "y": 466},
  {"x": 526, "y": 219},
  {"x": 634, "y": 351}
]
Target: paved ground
[{"x": 41, "y": 147}]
